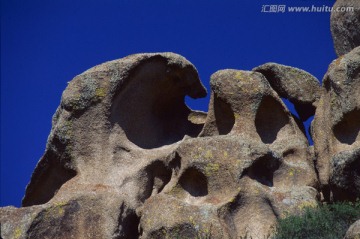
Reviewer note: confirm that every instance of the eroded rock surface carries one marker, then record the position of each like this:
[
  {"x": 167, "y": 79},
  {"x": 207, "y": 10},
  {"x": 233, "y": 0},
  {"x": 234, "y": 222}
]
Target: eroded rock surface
[
  {"x": 127, "y": 155},
  {"x": 250, "y": 167},
  {"x": 126, "y": 158},
  {"x": 345, "y": 24},
  {"x": 298, "y": 86},
  {"x": 102, "y": 160},
  {"x": 336, "y": 128}
]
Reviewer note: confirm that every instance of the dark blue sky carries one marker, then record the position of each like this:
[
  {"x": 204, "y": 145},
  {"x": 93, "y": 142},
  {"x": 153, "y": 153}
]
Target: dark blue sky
[{"x": 45, "y": 43}]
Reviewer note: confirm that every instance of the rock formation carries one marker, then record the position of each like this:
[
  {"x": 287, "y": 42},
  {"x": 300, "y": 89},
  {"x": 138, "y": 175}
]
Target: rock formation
[
  {"x": 126, "y": 153},
  {"x": 299, "y": 87},
  {"x": 127, "y": 158},
  {"x": 345, "y": 25},
  {"x": 336, "y": 129}
]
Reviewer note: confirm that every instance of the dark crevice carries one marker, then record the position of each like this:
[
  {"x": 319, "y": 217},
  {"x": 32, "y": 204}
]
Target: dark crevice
[
  {"x": 128, "y": 224},
  {"x": 194, "y": 182},
  {"x": 175, "y": 163},
  {"x": 224, "y": 116},
  {"x": 347, "y": 130},
  {"x": 270, "y": 119},
  {"x": 262, "y": 170},
  {"x": 345, "y": 178},
  {"x": 156, "y": 176}
]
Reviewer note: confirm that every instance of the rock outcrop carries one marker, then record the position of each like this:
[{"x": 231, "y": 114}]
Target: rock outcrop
[
  {"x": 345, "y": 22},
  {"x": 127, "y": 155},
  {"x": 336, "y": 129},
  {"x": 106, "y": 153},
  {"x": 126, "y": 158},
  {"x": 249, "y": 167},
  {"x": 298, "y": 86}
]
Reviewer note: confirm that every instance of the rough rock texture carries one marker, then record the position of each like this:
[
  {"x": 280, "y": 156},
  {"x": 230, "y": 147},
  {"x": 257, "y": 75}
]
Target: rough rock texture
[
  {"x": 345, "y": 26},
  {"x": 354, "y": 231},
  {"x": 299, "y": 87},
  {"x": 102, "y": 160},
  {"x": 336, "y": 129},
  {"x": 126, "y": 158},
  {"x": 250, "y": 166}
]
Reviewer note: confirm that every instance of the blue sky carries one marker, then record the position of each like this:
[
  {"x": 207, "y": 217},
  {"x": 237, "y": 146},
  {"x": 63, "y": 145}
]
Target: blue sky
[{"x": 44, "y": 44}]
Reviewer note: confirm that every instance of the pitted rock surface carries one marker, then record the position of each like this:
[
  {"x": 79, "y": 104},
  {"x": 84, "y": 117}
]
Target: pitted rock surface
[
  {"x": 126, "y": 158},
  {"x": 336, "y": 129},
  {"x": 127, "y": 155}
]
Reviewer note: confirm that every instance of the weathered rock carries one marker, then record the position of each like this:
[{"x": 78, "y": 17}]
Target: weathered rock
[
  {"x": 126, "y": 158},
  {"x": 345, "y": 175},
  {"x": 97, "y": 126},
  {"x": 298, "y": 86},
  {"x": 345, "y": 24},
  {"x": 249, "y": 168},
  {"x": 354, "y": 231},
  {"x": 336, "y": 128},
  {"x": 115, "y": 122},
  {"x": 15, "y": 222}
]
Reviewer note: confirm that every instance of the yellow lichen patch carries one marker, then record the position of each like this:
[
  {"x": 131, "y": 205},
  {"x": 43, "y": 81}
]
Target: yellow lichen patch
[
  {"x": 338, "y": 61},
  {"x": 306, "y": 204},
  {"x": 100, "y": 92},
  {"x": 17, "y": 233},
  {"x": 176, "y": 190},
  {"x": 240, "y": 75},
  {"x": 232, "y": 199},
  {"x": 236, "y": 116},
  {"x": 208, "y": 154},
  {"x": 57, "y": 210},
  {"x": 211, "y": 168},
  {"x": 225, "y": 154},
  {"x": 284, "y": 214},
  {"x": 291, "y": 172}
]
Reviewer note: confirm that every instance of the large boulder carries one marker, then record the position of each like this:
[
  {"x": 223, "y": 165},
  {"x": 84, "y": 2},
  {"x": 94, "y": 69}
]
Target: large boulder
[
  {"x": 114, "y": 123},
  {"x": 126, "y": 158},
  {"x": 336, "y": 129},
  {"x": 345, "y": 22},
  {"x": 298, "y": 86},
  {"x": 250, "y": 166}
]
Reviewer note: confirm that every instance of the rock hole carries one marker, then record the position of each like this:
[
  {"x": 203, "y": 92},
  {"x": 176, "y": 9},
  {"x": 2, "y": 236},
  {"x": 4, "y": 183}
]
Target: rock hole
[
  {"x": 175, "y": 163},
  {"x": 304, "y": 126},
  {"x": 270, "y": 119},
  {"x": 194, "y": 182},
  {"x": 151, "y": 109},
  {"x": 157, "y": 175},
  {"x": 347, "y": 130},
  {"x": 224, "y": 116},
  {"x": 262, "y": 170},
  {"x": 128, "y": 224}
]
